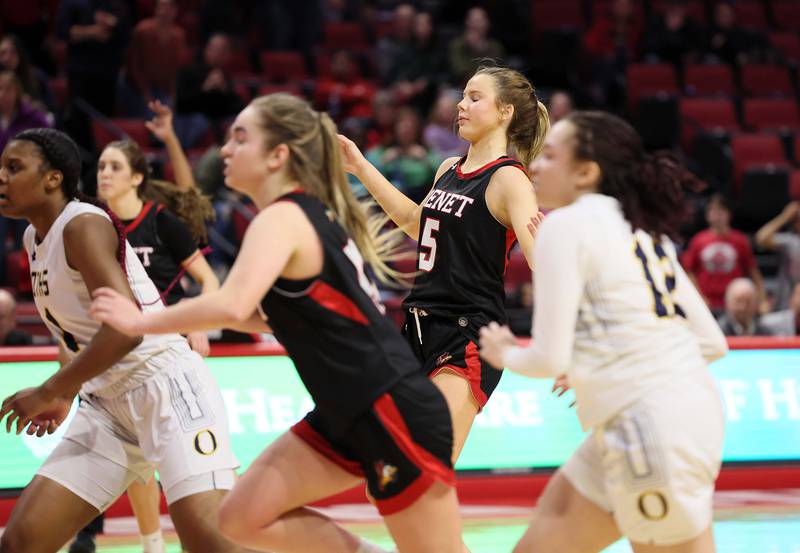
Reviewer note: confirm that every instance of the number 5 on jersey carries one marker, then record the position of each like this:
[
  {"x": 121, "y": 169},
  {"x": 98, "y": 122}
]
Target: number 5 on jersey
[{"x": 428, "y": 240}]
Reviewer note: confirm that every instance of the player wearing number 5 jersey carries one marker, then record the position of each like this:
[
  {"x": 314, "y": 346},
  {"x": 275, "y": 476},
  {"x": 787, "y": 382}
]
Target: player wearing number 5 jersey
[
  {"x": 478, "y": 208},
  {"x": 617, "y": 314},
  {"x": 300, "y": 266},
  {"x": 146, "y": 402}
]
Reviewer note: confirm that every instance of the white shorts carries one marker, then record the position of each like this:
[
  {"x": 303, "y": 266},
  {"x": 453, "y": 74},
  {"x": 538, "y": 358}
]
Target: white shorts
[
  {"x": 653, "y": 466},
  {"x": 174, "y": 422}
]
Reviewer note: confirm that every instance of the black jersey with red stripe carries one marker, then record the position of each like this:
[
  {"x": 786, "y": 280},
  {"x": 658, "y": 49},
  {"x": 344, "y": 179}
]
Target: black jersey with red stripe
[
  {"x": 162, "y": 242},
  {"x": 346, "y": 351},
  {"x": 463, "y": 250}
]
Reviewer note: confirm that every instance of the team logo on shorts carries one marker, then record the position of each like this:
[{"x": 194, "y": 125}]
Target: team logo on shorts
[
  {"x": 205, "y": 443},
  {"x": 443, "y": 358},
  {"x": 386, "y": 474}
]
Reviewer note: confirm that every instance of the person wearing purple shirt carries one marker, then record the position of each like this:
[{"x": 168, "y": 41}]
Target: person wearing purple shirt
[{"x": 16, "y": 114}]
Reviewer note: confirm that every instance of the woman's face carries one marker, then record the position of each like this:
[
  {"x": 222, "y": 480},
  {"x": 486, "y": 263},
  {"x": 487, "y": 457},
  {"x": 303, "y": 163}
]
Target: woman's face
[
  {"x": 22, "y": 180},
  {"x": 115, "y": 179},
  {"x": 9, "y": 57},
  {"x": 477, "y": 111},
  {"x": 555, "y": 170},
  {"x": 244, "y": 153}
]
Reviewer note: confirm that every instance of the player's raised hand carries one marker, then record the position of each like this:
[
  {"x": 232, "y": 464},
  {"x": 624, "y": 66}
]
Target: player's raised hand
[
  {"x": 112, "y": 308},
  {"x": 161, "y": 123},
  {"x": 352, "y": 158},
  {"x": 494, "y": 340}
]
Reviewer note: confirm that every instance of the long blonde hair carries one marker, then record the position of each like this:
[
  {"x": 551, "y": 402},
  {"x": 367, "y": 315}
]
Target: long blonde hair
[
  {"x": 315, "y": 161},
  {"x": 530, "y": 121}
]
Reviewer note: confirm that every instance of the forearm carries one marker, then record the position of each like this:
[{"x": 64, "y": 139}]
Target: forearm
[
  {"x": 184, "y": 178},
  {"x": 529, "y": 361},
  {"x": 255, "y": 324},
  {"x": 400, "y": 209},
  {"x": 205, "y": 312},
  {"x": 81, "y": 33},
  {"x": 107, "y": 348},
  {"x": 767, "y": 232}
]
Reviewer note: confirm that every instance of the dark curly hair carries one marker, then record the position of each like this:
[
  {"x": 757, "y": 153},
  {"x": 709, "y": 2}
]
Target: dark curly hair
[
  {"x": 649, "y": 187},
  {"x": 60, "y": 153}
]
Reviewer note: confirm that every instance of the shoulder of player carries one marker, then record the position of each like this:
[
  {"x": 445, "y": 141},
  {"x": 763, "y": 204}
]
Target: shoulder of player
[
  {"x": 511, "y": 178},
  {"x": 88, "y": 226},
  {"x": 280, "y": 215},
  {"x": 445, "y": 166}
]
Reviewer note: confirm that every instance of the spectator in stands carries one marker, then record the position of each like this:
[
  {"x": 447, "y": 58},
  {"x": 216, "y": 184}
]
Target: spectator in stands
[
  {"x": 422, "y": 67},
  {"x": 35, "y": 84},
  {"x": 612, "y": 41},
  {"x": 465, "y": 51},
  {"x": 673, "y": 35},
  {"x": 16, "y": 113},
  {"x": 406, "y": 162},
  {"x": 741, "y": 310},
  {"x": 381, "y": 125},
  {"x": 787, "y": 321},
  {"x": 343, "y": 93},
  {"x": 390, "y": 48},
  {"x": 560, "y": 106},
  {"x": 727, "y": 41},
  {"x": 440, "y": 135},
  {"x": 787, "y": 244},
  {"x": 156, "y": 38},
  {"x": 97, "y": 34},
  {"x": 718, "y": 255},
  {"x": 205, "y": 89},
  {"x": 9, "y": 335}
]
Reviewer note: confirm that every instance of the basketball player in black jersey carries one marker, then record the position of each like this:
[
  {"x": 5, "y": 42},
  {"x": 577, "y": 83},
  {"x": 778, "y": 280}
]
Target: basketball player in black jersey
[
  {"x": 478, "y": 207},
  {"x": 377, "y": 417}
]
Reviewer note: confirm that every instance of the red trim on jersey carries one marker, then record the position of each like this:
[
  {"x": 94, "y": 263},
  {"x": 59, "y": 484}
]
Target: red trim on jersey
[
  {"x": 432, "y": 467},
  {"x": 139, "y": 218},
  {"x": 315, "y": 441},
  {"x": 489, "y": 165},
  {"x": 332, "y": 299},
  {"x": 511, "y": 238}
]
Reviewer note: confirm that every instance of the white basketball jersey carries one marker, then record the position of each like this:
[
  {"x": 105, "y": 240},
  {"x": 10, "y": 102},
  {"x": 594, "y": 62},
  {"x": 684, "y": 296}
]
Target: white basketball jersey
[
  {"x": 614, "y": 310},
  {"x": 63, "y": 302}
]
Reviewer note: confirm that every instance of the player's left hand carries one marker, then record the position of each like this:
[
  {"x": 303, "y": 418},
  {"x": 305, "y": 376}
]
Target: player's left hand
[
  {"x": 536, "y": 221},
  {"x": 494, "y": 340},
  {"x": 32, "y": 409},
  {"x": 114, "y": 309},
  {"x": 198, "y": 341}
]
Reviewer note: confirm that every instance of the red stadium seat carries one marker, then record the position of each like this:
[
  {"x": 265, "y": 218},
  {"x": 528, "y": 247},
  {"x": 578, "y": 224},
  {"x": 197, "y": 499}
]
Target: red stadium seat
[
  {"x": 788, "y": 44},
  {"x": 794, "y": 185},
  {"x": 709, "y": 80},
  {"x": 750, "y": 14},
  {"x": 118, "y": 129},
  {"x": 60, "y": 89},
  {"x": 786, "y": 14},
  {"x": 754, "y": 151},
  {"x": 557, "y": 15},
  {"x": 280, "y": 67},
  {"x": 694, "y": 8},
  {"x": 769, "y": 113},
  {"x": 648, "y": 80},
  {"x": 344, "y": 35},
  {"x": 708, "y": 114},
  {"x": 766, "y": 80}
]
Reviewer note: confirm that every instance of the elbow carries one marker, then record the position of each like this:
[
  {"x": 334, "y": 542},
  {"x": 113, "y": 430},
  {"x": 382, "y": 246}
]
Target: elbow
[{"x": 236, "y": 314}]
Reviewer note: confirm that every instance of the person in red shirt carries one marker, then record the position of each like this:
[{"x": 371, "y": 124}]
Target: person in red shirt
[{"x": 720, "y": 254}]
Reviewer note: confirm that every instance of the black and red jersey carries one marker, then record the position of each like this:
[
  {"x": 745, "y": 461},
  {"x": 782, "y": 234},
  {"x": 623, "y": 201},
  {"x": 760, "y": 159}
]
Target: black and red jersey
[
  {"x": 463, "y": 250},
  {"x": 346, "y": 351},
  {"x": 162, "y": 242}
]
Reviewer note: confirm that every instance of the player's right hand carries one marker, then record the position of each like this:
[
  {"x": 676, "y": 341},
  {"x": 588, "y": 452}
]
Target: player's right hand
[
  {"x": 352, "y": 158},
  {"x": 112, "y": 308}
]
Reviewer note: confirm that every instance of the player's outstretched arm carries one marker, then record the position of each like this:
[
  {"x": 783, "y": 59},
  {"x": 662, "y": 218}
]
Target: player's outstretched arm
[{"x": 274, "y": 230}]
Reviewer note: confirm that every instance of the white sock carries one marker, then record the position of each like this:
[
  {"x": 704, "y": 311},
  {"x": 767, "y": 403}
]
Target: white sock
[
  {"x": 367, "y": 547},
  {"x": 153, "y": 543}
]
